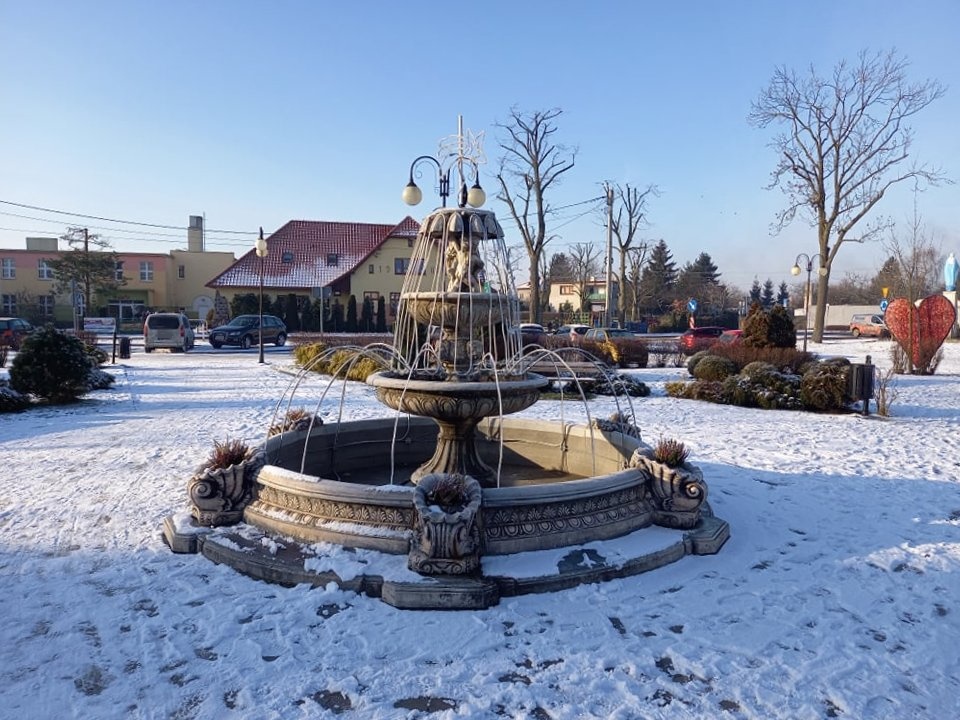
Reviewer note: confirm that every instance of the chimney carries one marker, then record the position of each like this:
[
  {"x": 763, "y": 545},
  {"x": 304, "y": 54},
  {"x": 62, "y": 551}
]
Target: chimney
[{"x": 195, "y": 234}]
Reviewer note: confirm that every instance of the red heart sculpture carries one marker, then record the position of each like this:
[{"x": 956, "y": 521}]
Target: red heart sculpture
[{"x": 921, "y": 330}]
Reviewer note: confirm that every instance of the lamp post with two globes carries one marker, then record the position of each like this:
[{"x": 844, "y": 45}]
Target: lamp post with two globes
[
  {"x": 463, "y": 149},
  {"x": 796, "y": 270},
  {"x": 261, "y": 248}
]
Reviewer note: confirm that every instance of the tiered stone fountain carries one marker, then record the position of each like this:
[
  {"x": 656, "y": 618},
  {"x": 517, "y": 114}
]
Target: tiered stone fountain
[{"x": 518, "y": 485}]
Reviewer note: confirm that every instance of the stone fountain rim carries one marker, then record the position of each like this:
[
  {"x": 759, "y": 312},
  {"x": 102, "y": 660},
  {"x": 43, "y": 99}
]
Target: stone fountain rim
[{"x": 447, "y": 387}]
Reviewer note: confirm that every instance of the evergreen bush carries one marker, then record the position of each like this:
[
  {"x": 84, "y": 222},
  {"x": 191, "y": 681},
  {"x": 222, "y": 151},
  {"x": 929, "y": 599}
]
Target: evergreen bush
[
  {"x": 695, "y": 359},
  {"x": 12, "y": 401},
  {"x": 824, "y": 387},
  {"x": 51, "y": 365},
  {"x": 714, "y": 367},
  {"x": 769, "y": 329}
]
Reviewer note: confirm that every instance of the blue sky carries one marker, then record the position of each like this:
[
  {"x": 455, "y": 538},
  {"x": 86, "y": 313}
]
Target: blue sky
[{"x": 256, "y": 113}]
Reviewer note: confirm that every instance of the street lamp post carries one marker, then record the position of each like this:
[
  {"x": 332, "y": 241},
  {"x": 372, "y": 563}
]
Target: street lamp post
[
  {"x": 461, "y": 151},
  {"x": 261, "y": 248},
  {"x": 795, "y": 270}
]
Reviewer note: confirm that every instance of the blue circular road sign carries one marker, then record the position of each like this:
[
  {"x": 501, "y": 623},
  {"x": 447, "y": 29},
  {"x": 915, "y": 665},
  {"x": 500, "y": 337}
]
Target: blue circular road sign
[
  {"x": 692, "y": 305},
  {"x": 883, "y": 305}
]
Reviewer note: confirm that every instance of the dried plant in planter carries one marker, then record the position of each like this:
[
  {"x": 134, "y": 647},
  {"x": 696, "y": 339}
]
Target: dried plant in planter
[
  {"x": 296, "y": 419},
  {"x": 449, "y": 493},
  {"x": 226, "y": 453},
  {"x": 670, "y": 452}
]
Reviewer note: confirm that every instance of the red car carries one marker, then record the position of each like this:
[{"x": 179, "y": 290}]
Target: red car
[
  {"x": 697, "y": 339},
  {"x": 13, "y": 330}
]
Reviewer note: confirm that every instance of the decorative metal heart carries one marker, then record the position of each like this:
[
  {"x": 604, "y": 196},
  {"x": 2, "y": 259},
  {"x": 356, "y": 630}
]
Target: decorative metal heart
[{"x": 920, "y": 330}]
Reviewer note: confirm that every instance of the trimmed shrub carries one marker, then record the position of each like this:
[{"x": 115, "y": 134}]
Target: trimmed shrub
[
  {"x": 629, "y": 352},
  {"x": 824, "y": 387},
  {"x": 714, "y": 367},
  {"x": 783, "y": 358},
  {"x": 51, "y": 365},
  {"x": 621, "y": 385},
  {"x": 306, "y": 353},
  {"x": 694, "y": 359}
]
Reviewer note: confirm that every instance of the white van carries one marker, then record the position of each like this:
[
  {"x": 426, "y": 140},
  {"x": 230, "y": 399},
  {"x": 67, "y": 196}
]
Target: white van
[{"x": 167, "y": 330}]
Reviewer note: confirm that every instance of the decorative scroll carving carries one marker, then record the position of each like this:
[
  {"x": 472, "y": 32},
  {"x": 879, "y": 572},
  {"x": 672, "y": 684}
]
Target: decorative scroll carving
[
  {"x": 218, "y": 496},
  {"x": 677, "y": 493}
]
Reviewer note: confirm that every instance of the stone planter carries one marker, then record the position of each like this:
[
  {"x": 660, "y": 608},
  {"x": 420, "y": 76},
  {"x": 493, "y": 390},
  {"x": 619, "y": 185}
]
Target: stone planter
[
  {"x": 677, "y": 493},
  {"x": 445, "y": 543},
  {"x": 219, "y": 495}
]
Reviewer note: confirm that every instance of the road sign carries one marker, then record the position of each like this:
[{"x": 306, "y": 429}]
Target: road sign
[
  {"x": 692, "y": 305},
  {"x": 884, "y": 290},
  {"x": 883, "y": 304}
]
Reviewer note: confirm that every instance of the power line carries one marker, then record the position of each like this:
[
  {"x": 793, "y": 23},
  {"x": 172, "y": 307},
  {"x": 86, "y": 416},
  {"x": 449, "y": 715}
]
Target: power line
[{"x": 115, "y": 220}]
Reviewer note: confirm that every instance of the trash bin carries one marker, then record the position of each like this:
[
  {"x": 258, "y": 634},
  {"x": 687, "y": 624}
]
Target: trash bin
[
  {"x": 124, "y": 348},
  {"x": 860, "y": 383}
]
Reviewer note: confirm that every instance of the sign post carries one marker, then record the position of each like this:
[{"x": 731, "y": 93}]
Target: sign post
[{"x": 692, "y": 309}]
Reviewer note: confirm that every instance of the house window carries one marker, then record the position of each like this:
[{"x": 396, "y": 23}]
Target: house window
[
  {"x": 372, "y": 295},
  {"x": 45, "y": 304},
  {"x": 146, "y": 271},
  {"x": 9, "y": 269},
  {"x": 394, "y": 303},
  {"x": 44, "y": 271},
  {"x": 119, "y": 270},
  {"x": 401, "y": 265},
  {"x": 409, "y": 242},
  {"x": 8, "y": 304},
  {"x": 287, "y": 258},
  {"x": 370, "y": 269},
  {"x": 566, "y": 290},
  {"x": 181, "y": 271},
  {"x": 333, "y": 259}
]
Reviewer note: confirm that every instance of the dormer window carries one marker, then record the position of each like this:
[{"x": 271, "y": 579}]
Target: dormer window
[
  {"x": 333, "y": 259},
  {"x": 287, "y": 257}
]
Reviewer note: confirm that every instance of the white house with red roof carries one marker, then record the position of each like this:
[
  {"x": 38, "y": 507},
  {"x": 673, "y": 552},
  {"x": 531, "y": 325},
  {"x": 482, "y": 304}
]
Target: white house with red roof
[{"x": 366, "y": 260}]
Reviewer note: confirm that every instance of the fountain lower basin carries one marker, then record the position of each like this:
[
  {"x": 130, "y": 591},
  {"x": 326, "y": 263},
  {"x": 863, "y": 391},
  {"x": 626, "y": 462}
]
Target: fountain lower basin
[{"x": 586, "y": 493}]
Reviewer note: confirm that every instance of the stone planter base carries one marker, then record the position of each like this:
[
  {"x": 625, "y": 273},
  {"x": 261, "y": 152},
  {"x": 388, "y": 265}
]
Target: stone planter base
[{"x": 445, "y": 543}]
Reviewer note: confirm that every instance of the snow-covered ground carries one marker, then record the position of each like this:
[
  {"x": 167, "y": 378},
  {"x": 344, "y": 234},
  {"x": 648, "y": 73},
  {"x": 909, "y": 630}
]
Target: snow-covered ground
[{"x": 836, "y": 596}]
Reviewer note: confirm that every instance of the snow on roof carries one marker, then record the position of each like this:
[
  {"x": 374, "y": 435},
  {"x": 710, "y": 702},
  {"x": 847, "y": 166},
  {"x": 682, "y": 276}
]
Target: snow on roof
[{"x": 311, "y": 253}]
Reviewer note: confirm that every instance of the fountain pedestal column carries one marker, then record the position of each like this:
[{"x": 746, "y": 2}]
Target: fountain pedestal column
[
  {"x": 457, "y": 408},
  {"x": 456, "y": 454}
]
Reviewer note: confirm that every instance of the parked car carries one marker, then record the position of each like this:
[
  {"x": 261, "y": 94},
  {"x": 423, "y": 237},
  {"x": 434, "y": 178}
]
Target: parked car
[
  {"x": 730, "y": 336},
  {"x": 167, "y": 330},
  {"x": 601, "y": 334},
  {"x": 696, "y": 339},
  {"x": 573, "y": 329},
  {"x": 531, "y": 333},
  {"x": 871, "y": 325},
  {"x": 244, "y": 330},
  {"x": 13, "y": 330}
]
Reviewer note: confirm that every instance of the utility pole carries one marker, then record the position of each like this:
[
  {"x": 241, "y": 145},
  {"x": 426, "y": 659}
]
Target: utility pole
[{"x": 609, "y": 291}]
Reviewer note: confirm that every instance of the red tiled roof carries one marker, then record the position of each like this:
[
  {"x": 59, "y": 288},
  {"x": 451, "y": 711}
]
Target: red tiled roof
[{"x": 297, "y": 253}]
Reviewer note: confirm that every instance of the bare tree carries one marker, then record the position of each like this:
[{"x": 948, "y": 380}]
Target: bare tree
[
  {"x": 636, "y": 258},
  {"x": 918, "y": 260},
  {"x": 629, "y": 216},
  {"x": 845, "y": 144},
  {"x": 584, "y": 266},
  {"x": 532, "y": 162}
]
